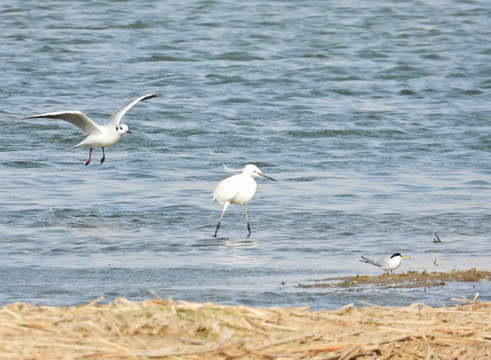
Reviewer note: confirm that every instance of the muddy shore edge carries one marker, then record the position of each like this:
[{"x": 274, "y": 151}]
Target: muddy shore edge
[{"x": 410, "y": 279}]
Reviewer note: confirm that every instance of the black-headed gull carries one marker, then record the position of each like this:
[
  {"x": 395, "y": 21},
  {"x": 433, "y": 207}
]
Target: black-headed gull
[
  {"x": 103, "y": 136},
  {"x": 238, "y": 189},
  {"x": 387, "y": 265}
]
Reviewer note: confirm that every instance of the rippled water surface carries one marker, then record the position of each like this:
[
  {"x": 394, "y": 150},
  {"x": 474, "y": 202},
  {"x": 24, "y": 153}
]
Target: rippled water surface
[{"x": 373, "y": 117}]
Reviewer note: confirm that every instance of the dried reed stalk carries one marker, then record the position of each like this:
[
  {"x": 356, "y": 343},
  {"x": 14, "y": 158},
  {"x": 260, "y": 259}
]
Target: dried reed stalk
[{"x": 165, "y": 329}]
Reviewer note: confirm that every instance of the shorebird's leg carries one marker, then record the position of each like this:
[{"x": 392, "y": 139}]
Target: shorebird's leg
[
  {"x": 225, "y": 206},
  {"x": 103, "y": 156},
  {"x": 247, "y": 219},
  {"x": 90, "y": 157}
]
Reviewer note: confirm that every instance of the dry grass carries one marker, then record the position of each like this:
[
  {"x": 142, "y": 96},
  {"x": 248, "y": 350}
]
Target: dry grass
[{"x": 164, "y": 329}]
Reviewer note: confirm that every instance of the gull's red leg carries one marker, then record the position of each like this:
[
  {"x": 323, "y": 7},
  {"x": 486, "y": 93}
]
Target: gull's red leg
[
  {"x": 90, "y": 157},
  {"x": 103, "y": 156}
]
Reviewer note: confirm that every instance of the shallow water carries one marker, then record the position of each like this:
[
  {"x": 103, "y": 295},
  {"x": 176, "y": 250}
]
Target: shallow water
[{"x": 374, "y": 119}]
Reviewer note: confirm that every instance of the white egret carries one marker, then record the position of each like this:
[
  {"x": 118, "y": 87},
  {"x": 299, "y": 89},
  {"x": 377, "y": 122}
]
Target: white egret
[
  {"x": 238, "y": 189},
  {"x": 387, "y": 265},
  {"x": 103, "y": 136}
]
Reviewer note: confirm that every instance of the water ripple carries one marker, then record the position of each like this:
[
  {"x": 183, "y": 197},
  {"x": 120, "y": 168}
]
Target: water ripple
[{"x": 374, "y": 119}]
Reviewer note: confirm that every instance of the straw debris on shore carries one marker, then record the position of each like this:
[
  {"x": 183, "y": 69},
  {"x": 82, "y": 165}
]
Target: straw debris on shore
[{"x": 167, "y": 329}]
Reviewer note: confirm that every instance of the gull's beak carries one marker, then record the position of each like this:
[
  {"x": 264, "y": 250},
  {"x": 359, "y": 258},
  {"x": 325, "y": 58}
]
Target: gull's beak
[
  {"x": 266, "y": 176},
  {"x": 406, "y": 257},
  {"x": 129, "y": 132}
]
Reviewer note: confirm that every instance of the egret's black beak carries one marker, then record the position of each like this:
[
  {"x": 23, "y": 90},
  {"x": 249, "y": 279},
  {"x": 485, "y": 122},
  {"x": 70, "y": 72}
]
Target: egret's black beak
[{"x": 267, "y": 177}]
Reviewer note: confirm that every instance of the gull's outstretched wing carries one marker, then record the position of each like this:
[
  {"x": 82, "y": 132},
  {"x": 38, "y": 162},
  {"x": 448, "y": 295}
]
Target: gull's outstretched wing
[
  {"x": 74, "y": 117},
  {"x": 116, "y": 117}
]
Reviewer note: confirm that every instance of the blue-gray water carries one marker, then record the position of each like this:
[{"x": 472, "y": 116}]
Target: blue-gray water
[{"x": 374, "y": 117}]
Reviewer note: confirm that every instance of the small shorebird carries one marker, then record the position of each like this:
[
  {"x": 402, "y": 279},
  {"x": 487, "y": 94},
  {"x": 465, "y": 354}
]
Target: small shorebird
[
  {"x": 387, "y": 265},
  {"x": 103, "y": 136},
  {"x": 238, "y": 189}
]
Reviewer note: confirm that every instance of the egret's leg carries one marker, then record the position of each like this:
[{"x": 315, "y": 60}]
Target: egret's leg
[
  {"x": 247, "y": 219},
  {"x": 225, "y": 206},
  {"x": 90, "y": 157},
  {"x": 103, "y": 156}
]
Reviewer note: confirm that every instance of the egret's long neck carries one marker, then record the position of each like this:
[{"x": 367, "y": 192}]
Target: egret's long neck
[
  {"x": 248, "y": 181},
  {"x": 247, "y": 177}
]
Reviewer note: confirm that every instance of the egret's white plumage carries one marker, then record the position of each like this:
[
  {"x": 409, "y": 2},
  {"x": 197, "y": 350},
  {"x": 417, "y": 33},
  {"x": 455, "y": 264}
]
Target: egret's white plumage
[
  {"x": 238, "y": 189},
  {"x": 388, "y": 264},
  {"x": 102, "y": 136}
]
